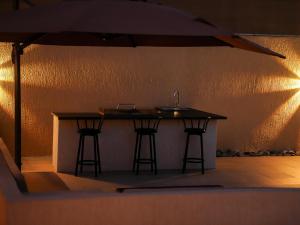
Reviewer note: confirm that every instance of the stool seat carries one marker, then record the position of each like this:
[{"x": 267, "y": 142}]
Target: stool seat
[{"x": 89, "y": 131}]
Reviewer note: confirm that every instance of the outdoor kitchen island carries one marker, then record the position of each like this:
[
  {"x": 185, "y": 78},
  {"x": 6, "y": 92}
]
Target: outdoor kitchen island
[{"x": 117, "y": 139}]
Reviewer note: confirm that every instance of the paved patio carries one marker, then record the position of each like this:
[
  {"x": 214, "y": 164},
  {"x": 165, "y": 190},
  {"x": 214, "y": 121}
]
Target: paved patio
[{"x": 233, "y": 172}]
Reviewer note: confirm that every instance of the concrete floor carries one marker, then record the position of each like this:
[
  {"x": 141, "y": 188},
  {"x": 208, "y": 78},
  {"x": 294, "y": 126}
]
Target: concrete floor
[{"x": 231, "y": 172}]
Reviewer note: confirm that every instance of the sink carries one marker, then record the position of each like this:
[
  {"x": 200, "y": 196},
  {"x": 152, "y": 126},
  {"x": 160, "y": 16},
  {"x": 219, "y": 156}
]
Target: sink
[{"x": 172, "y": 108}]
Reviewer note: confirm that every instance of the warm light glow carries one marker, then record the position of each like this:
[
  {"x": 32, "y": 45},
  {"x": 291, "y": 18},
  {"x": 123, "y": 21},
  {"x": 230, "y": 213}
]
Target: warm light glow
[
  {"x": 6, "y": 79},
  {"x": 297, "y": 84},
  {"x": 5, "y": 101},
  {"x": 294, "y": 84},
  {"x": 292, "y": 66},
  {"x": 6, "y": 74},
  {"x": 287, "y": 82},
  {"x": 276, "y": 84}
]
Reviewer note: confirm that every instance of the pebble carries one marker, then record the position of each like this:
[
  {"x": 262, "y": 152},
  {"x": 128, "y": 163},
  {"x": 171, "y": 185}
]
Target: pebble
[{"x": 273, "y": 152}]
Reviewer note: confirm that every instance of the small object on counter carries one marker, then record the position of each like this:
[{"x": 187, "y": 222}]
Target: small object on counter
[{"x": 126, "y": 107}]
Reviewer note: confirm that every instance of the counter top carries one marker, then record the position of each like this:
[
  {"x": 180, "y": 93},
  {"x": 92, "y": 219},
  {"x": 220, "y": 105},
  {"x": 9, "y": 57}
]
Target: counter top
[
  {"x": 76, "y": 115},
  {"x": 113, "y": 114}
]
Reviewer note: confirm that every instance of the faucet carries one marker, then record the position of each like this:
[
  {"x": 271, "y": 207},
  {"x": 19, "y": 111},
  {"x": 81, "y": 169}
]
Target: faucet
[{"x": 176, "y": 94}]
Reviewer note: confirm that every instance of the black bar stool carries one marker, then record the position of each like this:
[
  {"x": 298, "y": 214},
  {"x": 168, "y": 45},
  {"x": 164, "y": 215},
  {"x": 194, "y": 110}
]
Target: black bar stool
[
  {"x": 89, "y": 128},
  {"x": 145, "y": 127},
  {"x": 194, "y": 127}
]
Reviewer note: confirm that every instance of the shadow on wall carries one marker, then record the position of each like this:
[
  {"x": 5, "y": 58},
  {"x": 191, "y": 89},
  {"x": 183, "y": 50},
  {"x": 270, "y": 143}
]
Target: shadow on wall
[{"x": 254, "y": 91}]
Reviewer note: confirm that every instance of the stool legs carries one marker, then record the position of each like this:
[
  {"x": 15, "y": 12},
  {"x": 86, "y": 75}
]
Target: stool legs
[
  {"x": 202, "y": 154},
  {"x": 95, "y": 156},
  {"x": 82, "y": 153},
  {"x": 78, "y": 155},
  {"x": 186, "y": 152},
  {"x": 151, "y": 151},
  {"x": 187, "y": 159},
  {"x": 98, "y": 154},
  {"x": 80, "y": 161},
  {"x": 137, "y": 154},
  {"x": 154, "y": 154}
]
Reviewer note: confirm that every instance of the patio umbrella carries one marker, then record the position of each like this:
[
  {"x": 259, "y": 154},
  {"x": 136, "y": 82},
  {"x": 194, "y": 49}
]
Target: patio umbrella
[
  {"x": 115, "y": 23},
  {"x": 108, "y": 23}
]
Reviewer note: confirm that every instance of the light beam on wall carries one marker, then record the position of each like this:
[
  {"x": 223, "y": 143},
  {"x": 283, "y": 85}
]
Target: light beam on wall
[
  {"x": 6, "y": 81},
  {"x": 287, "y": 109},
  {"x": 294, "y": 67}
]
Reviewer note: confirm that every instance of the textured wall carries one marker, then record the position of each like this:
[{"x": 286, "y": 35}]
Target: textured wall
[{"x": 258, "y": 93}]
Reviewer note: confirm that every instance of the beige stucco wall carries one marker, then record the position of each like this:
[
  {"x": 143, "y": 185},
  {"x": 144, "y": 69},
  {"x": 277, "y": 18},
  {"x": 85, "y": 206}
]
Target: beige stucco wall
[{"x": 256, "y": 92}]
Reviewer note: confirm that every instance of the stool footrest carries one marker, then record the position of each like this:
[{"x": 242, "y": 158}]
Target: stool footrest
[
  {"x": 194, "y": 160},
  {"x": 88, "y": 162},
  {"x": 144, "y": 161}
]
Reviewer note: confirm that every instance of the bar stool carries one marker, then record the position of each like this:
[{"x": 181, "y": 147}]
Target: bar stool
[
  {"x": 89, "y": 128},
  {"x": 145, "y": 127},
  {"x": 194, "y": 127}
]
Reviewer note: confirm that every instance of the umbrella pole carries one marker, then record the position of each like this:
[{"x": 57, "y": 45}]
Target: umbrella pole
[{"x": 17, "y": 51}]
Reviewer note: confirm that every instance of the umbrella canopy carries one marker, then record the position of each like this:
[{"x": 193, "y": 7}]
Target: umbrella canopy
[{"x": 115, "y": 23}]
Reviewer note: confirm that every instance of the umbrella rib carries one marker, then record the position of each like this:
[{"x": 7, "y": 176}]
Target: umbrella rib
[{"x": 242, "y": 43}]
